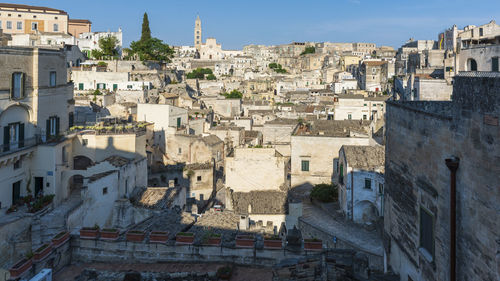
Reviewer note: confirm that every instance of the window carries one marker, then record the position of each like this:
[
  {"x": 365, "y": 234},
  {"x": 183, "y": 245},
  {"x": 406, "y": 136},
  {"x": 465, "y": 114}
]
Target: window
[
  {"x": 17, "y": 164},
  {"x": 52, "y": 79},
  {"x": 380, "y": 188},
  {"x": 368, "y": 183},
  {"x": 17, "y": 87},
  {"x": 494, "y": 64},
  {"x": 364, "y": 116},
  {"x": 80, "y": 86},
  {"x": 85, "y": 142},
  {"x": 472, "y": 64},
  {"x": 341, "y": 174},
  {"x": 305, "y": 165},
  {"x": 349, "y": 116},
  {"x": 19, "y": 25},
  {"x": 178, "y": 122},
  {"x": 115, "y": 87},
  {"x": 374, "y": 71},
  {"x": 52, "y": 126},
  {"x": 64, "y": 153},
  {"x": 101, "y": 86},
  {"x": 180, "y": 150},
  {"x": 480, "y": 31},
  {"x": 198, "y": 178},
  {"x": 427, "y": 232},
  {"x": 104, "y": 191},
  {"x": 56, "y": 27},
  {"x": 9, "y": 25},
  {"x": 34, "y": 26},
  {"x": 129, "y": 86}
]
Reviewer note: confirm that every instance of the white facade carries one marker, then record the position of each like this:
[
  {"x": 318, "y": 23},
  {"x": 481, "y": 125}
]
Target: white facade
[{"x": 89, "y": 41}]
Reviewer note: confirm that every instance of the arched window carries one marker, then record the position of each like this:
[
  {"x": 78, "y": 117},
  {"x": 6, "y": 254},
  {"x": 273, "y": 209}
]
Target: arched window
[{"x": 471, "y": 65}]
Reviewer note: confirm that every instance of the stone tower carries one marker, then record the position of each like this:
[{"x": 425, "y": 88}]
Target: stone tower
[{"x": 197, "y": 34}]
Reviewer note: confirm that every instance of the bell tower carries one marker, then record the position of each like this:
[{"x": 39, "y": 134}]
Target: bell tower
[{"x": 197, "y": 33}]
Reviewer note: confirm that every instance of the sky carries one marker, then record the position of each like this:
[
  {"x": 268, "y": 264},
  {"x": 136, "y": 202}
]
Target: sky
[{"x": 271, "y": 22}]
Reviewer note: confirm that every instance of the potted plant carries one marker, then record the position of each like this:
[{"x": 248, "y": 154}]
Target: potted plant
[
  {"x": 135, "y": 235},
  {"x": 225, "y": 272},
  {"x": 245, "y": 241},
  {"x": 60, "y": 239},
  {"x": 89, "y": 232},
  {"x": 109, "y": 234},
  {"x": 313, "y": 244},
  {"x": 212, "y": 239},
  {"x": 184, "y": 238},
  {"x": 272, "y": 242},
  {"x": 42, "y": 252},
  {"x": 158, "y": 236},
  {"x": 20, "y": 267}
]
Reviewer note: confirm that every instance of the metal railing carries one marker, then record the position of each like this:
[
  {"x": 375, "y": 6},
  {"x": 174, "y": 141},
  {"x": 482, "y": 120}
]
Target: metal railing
[{"x": 12, "y": 147}]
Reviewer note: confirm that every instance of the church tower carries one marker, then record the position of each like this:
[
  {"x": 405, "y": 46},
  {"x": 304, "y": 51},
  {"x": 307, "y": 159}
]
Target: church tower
[{"x": 197, "y": 34}]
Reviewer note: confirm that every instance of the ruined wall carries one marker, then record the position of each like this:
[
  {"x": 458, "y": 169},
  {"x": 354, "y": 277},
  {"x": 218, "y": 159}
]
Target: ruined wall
[{"x": 418, "y": 142}]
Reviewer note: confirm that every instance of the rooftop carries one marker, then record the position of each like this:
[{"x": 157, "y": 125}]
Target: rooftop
[
  {"x": 335, "y": 128},
  {"x": 369, "y": 158},
  {"x": 260, "y": 202},
  {"x": 28, "y": 8}
]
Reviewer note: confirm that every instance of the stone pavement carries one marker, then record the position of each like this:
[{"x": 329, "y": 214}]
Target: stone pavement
[{"x": 348, "y": 232}]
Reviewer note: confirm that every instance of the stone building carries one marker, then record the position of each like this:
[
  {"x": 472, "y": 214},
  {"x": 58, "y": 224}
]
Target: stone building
[
  {"x": 373, "y": 75},
  {"x": 360, "y": 171},
  {"x": 310, "y": 165},
  {"x": 79, "y": 26},
  {"x": 25, "y": 19},
  {"x": 249, "y": 169},
  {"x": 442, "y": 162},
  {"x": 198, "y": 39},
  {"x": 359, "y": 107},
  {"x": 35, "y": 110}
]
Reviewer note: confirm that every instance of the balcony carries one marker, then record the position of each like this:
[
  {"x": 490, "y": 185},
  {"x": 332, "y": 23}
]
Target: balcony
[{"x": 13, "y": 147}]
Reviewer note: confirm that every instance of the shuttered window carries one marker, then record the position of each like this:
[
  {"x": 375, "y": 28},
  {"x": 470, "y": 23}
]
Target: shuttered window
[
  {"x": 17, "y": 85},
  {"x": 305, "y": 165},
  {"x": 427, "y": 231}
]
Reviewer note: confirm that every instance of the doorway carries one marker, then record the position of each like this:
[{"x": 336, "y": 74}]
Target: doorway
[{"x": 38, "y": 185}]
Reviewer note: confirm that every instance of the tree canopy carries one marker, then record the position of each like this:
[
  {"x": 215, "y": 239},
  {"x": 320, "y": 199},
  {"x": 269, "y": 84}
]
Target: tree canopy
[
  {"x": 277, "y": 67},
  {"x": 149, "y": 48},
  {"x": 309, "y": 50},
  {"x": 234, "y": 94},
  {"x": 146, "y": 31},
  {"x": 199, "y": 73}
]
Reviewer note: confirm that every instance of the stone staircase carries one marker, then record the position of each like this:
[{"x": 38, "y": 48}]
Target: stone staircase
[{"x": 47, "y": 225}]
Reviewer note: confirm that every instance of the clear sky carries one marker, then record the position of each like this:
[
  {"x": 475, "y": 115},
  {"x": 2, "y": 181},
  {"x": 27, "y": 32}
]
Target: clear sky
[{"x": 240, "y": 22}]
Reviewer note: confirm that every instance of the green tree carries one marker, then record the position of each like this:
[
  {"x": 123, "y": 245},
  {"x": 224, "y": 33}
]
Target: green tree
[
  {"x": 109, "y": 46},
  {"x": 96, "y": 54},
  {"x": 309, "y": 50},
  {"x": 148, "y": 47},
  {"x": 234, "y": 94},
  {"x": 146, "y": 31},
  {"x": 273, "y": 65},
  {"x": 211, "y": 77}
]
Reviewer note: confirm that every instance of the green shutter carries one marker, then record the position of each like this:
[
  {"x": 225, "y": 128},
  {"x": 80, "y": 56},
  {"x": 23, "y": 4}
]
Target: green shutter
[
  {"x": 23, "y": 78},
  {"x": 6, "y": 138},
  {"x": 57, "y": 126},
  {"x": 12, "y": 85},
  {"x": 47, "y": 128},
  {"x": 21, "y": 135},
  {"x": 115, "y": 87},
  {"x": 80, "y": 86}
]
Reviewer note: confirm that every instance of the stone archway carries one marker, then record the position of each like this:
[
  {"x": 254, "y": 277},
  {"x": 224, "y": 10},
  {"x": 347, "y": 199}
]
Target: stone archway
[{"x": 81, "y": 162}]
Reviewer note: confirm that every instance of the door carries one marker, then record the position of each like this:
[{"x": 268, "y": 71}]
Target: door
[
  {"x": 16, "y": 192},
  {"x": 38, "y": 185},
  {"x": 178, "y": 122}
]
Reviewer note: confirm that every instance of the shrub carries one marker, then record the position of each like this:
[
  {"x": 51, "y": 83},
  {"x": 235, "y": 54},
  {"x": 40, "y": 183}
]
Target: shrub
[
  {"x": 325, "y": 192},
  {"x": 102, "y": 64},
  {"x": 211, "y": 77}
]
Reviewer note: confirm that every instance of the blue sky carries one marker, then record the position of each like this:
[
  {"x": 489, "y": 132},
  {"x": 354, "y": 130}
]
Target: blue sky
[{"x": 237, "y": 23}]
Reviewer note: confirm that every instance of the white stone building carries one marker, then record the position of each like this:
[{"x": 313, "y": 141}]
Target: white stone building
[{"x": 360, "y": 175}]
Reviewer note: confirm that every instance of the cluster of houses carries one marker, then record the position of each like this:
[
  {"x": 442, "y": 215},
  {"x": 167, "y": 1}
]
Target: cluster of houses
[{"x": 94, "y": 133}]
